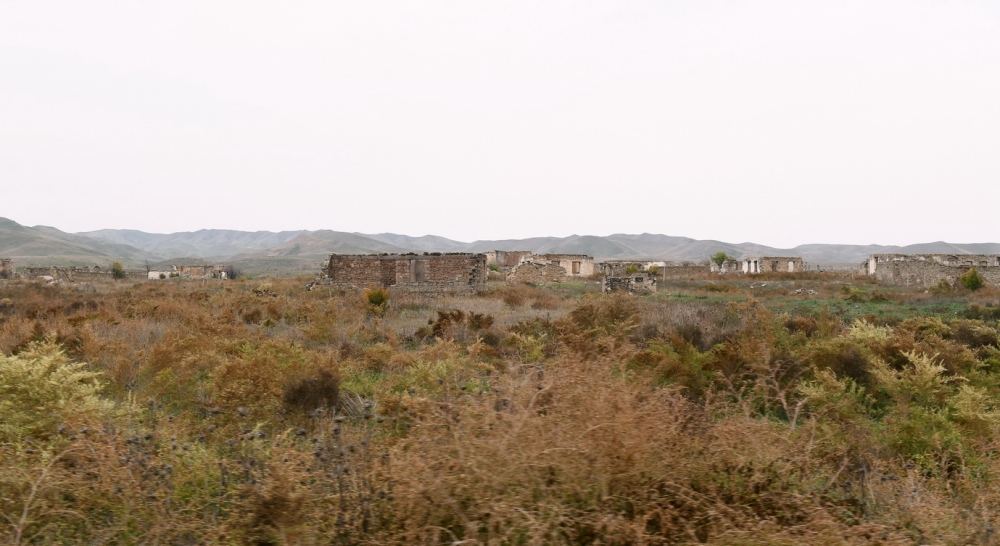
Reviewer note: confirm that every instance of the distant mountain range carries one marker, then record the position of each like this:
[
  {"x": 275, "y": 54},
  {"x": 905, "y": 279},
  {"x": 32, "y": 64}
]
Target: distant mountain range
[{"x": 302, "y": 251}]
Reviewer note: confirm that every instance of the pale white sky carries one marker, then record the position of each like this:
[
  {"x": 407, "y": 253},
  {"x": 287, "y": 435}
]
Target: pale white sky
[{"x": 774, "y": 121}]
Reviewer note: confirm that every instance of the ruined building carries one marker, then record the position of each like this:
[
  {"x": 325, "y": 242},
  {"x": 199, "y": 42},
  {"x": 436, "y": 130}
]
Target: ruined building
[
  {"x": 536, "y": 272},
  {"x": 7, "y": 268},
  {"x": 202, "y": 271},
  {"x": 630, "y": 276},
  {"x": 772, "y": 264},
  {"x": 729, "y": 265},
  {"x": 506, "y": 259},
  {"x": 430, "y": 272},
  {"x": 576, "y": 265},
  {"x": 929, "y": 270}
]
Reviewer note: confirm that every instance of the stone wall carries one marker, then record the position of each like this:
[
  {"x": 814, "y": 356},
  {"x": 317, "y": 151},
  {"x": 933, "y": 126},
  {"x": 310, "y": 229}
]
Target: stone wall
[
  {"x": 203, "y": 271},
  {"x": 409, "y": 272},
  {"x": 506, "y": 259},
  {"x": 772, "y": 264},
  {"x": 536, "y": 273},
  {"x": 576, "y": 265},
  {"x": 929, "y": 270},
  {"x": 640, "y": 282},
  {"x": 7, "y": 268}
]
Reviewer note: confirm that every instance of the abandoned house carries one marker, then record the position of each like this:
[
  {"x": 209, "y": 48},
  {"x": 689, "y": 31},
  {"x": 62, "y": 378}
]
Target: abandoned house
[
  {"x": 430, "y": 272},
  {"x": 576, "y": 265},
  {"x": 635, "y": 282},
  {"x": 619, "y": 268},
  {"x": 536, "y": 273},
  {"x": 7, "y": 268},
  {"x": 929, "y": 270},
  {"x": 505, "y": 259},
  {"x": 773, "y": 264},
  {"x": 202, "y": 271}
]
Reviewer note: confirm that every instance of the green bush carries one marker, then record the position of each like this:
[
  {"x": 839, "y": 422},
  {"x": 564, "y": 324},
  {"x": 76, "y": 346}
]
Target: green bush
[
  {"x": 40, "y": 389},
  {"x": 972, "y": 280},
  {"x": 117, "y": 270}
]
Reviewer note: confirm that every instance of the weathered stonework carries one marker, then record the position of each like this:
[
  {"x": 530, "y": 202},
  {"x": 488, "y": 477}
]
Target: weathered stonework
[
  {"x": 929, "y": 270},
  {"x": 638, "y": 282},
  {"x": 576, "y": 265},
  {"x": 216, "y": 271},
  {"x": 730, "y": 265},
  {"x": 7, "y": 270},
  {"x": 75, "y": 273},
  {"x": 429, "y": 272},
  {"x": 536, "y": 273},
  {"x": 506, "y": 259}
]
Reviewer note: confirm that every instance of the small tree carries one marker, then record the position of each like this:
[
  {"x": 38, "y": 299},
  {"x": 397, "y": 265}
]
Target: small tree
[
  {"x": 972, "y": 279},
  {"x": 719, "y": 258},
  {"x": 117, "y": 270}
]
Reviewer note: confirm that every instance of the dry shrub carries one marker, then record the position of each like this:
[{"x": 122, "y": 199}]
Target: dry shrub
[
  {"x": 583, "y": 456},
  {"x": 310, "y": 393}
]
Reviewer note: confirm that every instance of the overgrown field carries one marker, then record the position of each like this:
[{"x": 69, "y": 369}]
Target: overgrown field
[{"x": 793, "y": 409}]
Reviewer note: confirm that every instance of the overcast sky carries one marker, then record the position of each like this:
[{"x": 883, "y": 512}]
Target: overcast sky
[{"x": 779, "y": 122}]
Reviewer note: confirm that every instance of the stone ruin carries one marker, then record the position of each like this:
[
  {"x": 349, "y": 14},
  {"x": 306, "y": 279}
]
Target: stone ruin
[
  {"x": 74, "y": 273},
  {"x": 425, "y": 273},
  {"x": 505, "y": 260},
  {"x": 576, "y": 265},
  {"x": 216, "y": 271},
  {"x": 536, "y": 273},
  {"x": 928, "y": 270},
  {"x": 7, "y": 270},
  {"x": 772, "y": 264},
  {"x": 631, "y": 276}
]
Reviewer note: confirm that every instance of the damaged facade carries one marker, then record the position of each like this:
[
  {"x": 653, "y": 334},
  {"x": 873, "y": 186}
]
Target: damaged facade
[
  {"x": 729, "y": 265},
  {"x": 536, "y": 273},
  {"x": 929, "y": 270},
  {"x": 631, "y": 276},
  {"x": 576, "y": 265},
  {"x": 506, "y": 259},
  {"x": 202, "y": 271},
  {"x": 432, "y": 272},
  {"x": 772, "y": 264},
  {"x": 7, "y": 268}
]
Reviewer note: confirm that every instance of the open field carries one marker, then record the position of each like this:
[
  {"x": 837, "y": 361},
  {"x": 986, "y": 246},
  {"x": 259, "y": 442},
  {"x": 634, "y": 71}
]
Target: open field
[{"x": 773, "y": 409}]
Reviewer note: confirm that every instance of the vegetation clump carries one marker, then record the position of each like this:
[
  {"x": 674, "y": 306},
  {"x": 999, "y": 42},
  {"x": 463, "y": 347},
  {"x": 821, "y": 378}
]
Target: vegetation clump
[{"x": 266, "y": 414}]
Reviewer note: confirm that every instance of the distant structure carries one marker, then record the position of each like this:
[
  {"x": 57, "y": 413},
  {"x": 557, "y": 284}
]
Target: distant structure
[
  {"x": 772, "y": 264},
  {"x": 631, "y": 276},
  {"x": 504, "y": 260},
  {"x": 7, "y": 270},
  {"x": 74, "y": 273},
  {"x": 539, "y": 272},
  {"x": 729, "y": 265},
  {"x": 201, "y": 272},
  {"x": 576, "y": 265},
  {"x": 929, "y": 270},
  {"x": 430, "y": 272}
]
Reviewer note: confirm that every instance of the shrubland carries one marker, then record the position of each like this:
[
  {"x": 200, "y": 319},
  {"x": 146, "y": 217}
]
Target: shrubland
[{"x": 713, "y": 412}]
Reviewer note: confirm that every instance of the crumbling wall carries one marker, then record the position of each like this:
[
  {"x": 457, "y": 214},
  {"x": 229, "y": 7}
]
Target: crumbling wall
[
  {"x": 536, "y": 273},
  {"x": 640, "y": 282},
  {"x": 506, "y": 259},
  {"x": 576, "y": 265},
  {"x": 409, "y": 272},
  {"x": 772, "y": 264},
  {"x": 929, "y": 270},
  {"x": 7, "y": 268},
  {"x": 203, "y": 271}
]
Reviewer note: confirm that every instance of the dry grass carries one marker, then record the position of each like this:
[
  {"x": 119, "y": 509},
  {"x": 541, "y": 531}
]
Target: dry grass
[{"x": 242, "y": 413}]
